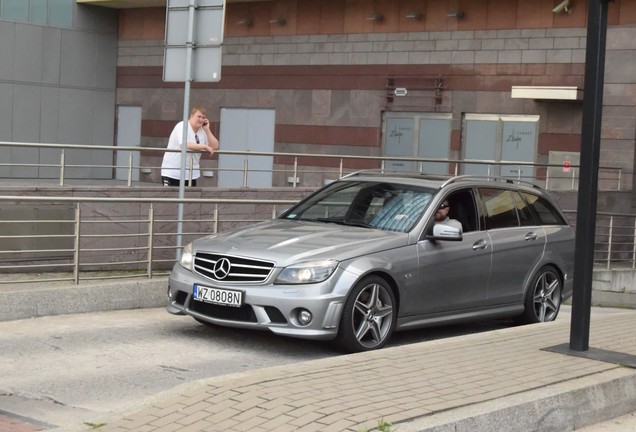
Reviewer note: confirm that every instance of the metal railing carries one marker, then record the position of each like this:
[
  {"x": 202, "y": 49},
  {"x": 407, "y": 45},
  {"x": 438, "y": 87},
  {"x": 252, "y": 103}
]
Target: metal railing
[
  {"x": 615, "y": 241},
  {"x": 105, "y": 243},
  {"x": 549, "y": 176},
  {"x": 97, "y": 239}
]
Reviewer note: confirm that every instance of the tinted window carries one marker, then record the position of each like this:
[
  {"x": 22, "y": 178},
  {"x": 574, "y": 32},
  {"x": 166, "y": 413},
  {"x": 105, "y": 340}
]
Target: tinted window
[
  {"x": 543, "y": 210},
  {"x": 500, "y": 209},
  {"x": 526, "y": 217},
  {"x": 462, "y": 209}
]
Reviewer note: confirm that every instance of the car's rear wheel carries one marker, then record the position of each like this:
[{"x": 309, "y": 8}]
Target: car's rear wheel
[
  {"x": 369, "y": 316},
  {"x": 543, "y": 300}
]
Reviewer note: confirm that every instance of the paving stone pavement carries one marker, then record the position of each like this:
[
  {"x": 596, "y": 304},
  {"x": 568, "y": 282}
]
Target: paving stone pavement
[
  {"x": 493, "y": 381},
  {"x": 11, "y": 423}
]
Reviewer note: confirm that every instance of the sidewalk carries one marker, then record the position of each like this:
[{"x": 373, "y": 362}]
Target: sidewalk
[
  {"x": 494, "y": 381},
  {"x": 503, "y": 380}
]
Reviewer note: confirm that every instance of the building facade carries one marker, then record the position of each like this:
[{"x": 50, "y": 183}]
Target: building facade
[{"x": 459, "y": 80}]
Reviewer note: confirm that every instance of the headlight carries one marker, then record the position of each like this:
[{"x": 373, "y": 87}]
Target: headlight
[
  {"x": 307, "y": 272},
  {"x": 186, "y": 259}
]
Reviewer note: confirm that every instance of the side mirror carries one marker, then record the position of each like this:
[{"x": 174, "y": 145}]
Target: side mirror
[{"x": 445, "y": 232}]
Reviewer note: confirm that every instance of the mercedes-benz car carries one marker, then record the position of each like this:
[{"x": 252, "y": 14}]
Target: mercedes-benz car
[{"x": 365, "y": 256}]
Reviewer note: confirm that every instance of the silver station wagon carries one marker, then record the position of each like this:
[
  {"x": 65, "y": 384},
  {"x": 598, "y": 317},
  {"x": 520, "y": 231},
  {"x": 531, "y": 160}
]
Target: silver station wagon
[{"x": 373, "y": 253}]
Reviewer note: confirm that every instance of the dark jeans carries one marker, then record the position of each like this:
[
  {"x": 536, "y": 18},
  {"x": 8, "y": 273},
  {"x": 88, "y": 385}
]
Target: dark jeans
[{"x": 169, "y": 181}]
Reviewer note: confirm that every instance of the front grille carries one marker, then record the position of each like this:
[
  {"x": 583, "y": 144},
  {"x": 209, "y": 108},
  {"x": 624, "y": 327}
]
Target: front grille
[
  {"x": 244, "y": 313},
  {"x": 227, "y": 268}
]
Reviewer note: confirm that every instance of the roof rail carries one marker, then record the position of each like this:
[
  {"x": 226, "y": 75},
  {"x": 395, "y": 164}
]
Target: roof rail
[
  {"x": 489, "y": 178},
  {"x": 411, "y": 174}
]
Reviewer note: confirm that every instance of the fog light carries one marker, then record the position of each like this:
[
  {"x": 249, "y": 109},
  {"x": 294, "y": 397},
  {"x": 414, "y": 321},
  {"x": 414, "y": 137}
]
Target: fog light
[
  {"x": 304, "y": 317},
  {"x": 169, "y": 293}
]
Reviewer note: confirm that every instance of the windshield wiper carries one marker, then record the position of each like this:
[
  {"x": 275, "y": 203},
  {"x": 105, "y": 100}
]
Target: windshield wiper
[{"x": 344, "y": 222}]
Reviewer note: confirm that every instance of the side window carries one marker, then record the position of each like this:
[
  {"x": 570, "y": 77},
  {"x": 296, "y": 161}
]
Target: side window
[
  {"x": 462, "y": 208},
  {"x": 526, "y": 216},
  {"x": 500, "y": 208},
  {"x": 544, "y": 210}
]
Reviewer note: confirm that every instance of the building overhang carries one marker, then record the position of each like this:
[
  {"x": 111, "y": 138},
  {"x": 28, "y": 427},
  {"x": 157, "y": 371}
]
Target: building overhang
[
  {"x": 564, "y": 93},
  {"x": 128, "y": 4}
]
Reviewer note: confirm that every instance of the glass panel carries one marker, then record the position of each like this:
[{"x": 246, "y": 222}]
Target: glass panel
[
  {"x": 39, "y": 11},
  {"x": 519, "y": 144},
  {"x": 544, "y": 210},
  {"x": 61, "y": 13},
  {"x": 500, "y": 208},
  {"x": 399, "y": 142},
  {"x": 385, "y": 206},
  {"x": 525, "y": 213},
  {"x": 434, "y": 142},
  {"x": 15, "y": 10},
  {"x": 481, "y": 144}
]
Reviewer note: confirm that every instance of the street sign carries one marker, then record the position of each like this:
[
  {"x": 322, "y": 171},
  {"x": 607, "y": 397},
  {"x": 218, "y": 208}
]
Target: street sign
[
  {"x": 206, "y": 28},
  {"x": 206, "y": 64}
]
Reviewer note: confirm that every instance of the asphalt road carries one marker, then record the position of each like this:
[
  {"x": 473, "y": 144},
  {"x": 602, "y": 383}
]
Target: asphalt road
[{"x": 72, "y": 369}]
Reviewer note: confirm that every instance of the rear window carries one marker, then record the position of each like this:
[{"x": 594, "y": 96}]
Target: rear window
[{"x": 543, "y": 210}]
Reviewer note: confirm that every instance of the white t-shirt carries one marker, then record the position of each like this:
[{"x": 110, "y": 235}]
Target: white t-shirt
[{"x": 171, "y": 165}]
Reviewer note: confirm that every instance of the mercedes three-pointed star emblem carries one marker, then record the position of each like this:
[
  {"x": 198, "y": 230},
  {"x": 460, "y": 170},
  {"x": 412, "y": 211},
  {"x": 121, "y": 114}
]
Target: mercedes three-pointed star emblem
[{"x": 222, "y": 268}]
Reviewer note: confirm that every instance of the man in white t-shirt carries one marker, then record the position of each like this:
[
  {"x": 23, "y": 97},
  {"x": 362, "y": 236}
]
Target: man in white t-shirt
[{"x": 199, "y": 138}]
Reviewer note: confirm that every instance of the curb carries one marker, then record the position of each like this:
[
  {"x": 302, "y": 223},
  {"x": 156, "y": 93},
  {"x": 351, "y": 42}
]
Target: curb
[
  {"x": 564, "y": 406},
  {"x": 34, "y": 300}
]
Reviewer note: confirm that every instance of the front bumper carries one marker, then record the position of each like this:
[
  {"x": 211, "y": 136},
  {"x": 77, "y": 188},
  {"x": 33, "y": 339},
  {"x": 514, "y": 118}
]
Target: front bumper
[{"x": 266, "y": 307}]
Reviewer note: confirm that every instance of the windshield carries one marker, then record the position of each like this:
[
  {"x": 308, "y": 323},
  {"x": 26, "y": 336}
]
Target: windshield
[{"x": 379, "y": 205}]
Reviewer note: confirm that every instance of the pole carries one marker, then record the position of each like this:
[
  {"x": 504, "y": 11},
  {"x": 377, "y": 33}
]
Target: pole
[
  {"x": 588, "y": 177},
  {"x": 186, "y": 126}
]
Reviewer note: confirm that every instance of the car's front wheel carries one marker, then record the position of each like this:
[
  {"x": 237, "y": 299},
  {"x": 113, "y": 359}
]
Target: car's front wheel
[
  {"x": 543, "y": 299},
  {"x": 369, "y": 316}
]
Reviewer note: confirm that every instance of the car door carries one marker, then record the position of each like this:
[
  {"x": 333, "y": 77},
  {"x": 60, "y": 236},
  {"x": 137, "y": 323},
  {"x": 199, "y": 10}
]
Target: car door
[
  {"x": 452, "y": 275},
  {"x": 517, "y": 240}
]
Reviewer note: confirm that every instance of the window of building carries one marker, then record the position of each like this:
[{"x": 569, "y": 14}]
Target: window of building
[
  {"x": 499, "y": 138},
  {"x": 417, "y": 135},
  {"x": 56, "y": 13},
  {"x": 15, "y": 10}
]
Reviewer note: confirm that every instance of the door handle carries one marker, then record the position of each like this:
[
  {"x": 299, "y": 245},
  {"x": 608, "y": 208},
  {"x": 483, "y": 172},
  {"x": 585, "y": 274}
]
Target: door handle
[
  {"x": 531, "y": 236},
  {"x": 480, "y": 244}
]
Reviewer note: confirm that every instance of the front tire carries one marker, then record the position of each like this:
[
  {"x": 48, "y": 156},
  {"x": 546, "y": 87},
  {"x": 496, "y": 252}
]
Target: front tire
[
  {"x": 543, "y": 300},
  {"x": 369, "y": 316}
]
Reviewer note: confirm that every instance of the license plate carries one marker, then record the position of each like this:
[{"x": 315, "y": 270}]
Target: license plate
[{"x": 218, "y": 296}]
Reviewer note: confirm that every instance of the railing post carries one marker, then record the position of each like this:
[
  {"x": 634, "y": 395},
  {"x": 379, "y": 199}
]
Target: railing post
[
  {"x": 151, "y": 229},
  {"x": 609, "y": 242},
  {"x": 245, "y": 167},
  {"x": 216, "y": 218},
  {"x": 634, "y": 246},
  {"x": 62, "y": 168},
  {"x": 76, "y": 247},
  {"x": 342, "y": 165},
  {"x": 274, "y": 212},
  {"x": 295, "y": 170},
  {"x": 130, "y": 167},
  {"x": 189, "y": 171},
  {"x": 573, "y": 179},
  {"x": 547, "y": 178},
  {"x": 620, "y": 177}
]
